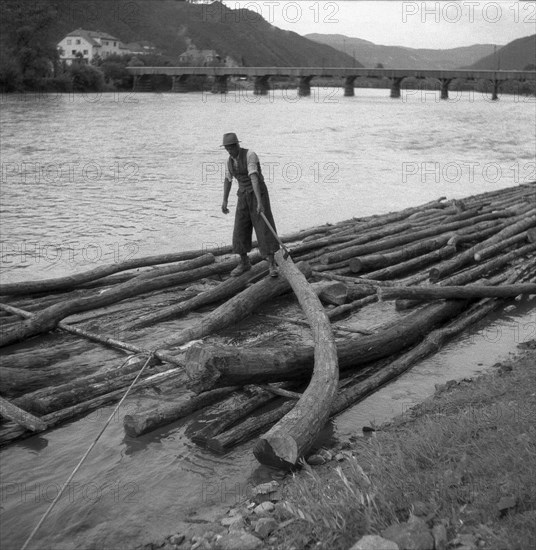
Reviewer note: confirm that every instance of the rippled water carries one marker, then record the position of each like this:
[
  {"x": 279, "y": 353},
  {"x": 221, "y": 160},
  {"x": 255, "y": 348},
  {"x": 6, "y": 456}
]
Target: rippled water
[
  {"x": 87, "y": 180},
  {"x": 92, "y": 179}
]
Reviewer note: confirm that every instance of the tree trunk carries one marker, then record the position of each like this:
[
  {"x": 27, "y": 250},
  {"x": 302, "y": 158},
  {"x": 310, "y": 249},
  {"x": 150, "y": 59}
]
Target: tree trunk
[
  {"x": 519, "y": 225},
  {"x": 293, "y": 435},
  {"x": 23, "y": 418},
  {"x": 46, "y": 320},
  {"x": 143, "y": 422},
  {"x": 229, "y": 413},
  {"x": 235, "y": 309},
  {"x": 72, "y": 281},
  {"x": 208, "y": 365},
  {"x": 467, "y": 292},
  {"x": 223, "y": 291},
  {"x": 384, "y": 244}
]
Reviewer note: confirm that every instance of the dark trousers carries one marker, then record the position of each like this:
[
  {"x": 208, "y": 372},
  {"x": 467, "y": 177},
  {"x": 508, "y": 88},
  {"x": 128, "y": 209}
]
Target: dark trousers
[{"x": 246, "y": 219}]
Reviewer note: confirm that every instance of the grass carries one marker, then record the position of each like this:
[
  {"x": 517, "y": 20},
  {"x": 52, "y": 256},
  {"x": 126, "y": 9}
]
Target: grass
[{"x": 453, "y": 458}]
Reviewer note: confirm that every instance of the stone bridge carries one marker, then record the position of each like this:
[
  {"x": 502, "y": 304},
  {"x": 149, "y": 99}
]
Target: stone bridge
[{"x": 261, "y": 76}]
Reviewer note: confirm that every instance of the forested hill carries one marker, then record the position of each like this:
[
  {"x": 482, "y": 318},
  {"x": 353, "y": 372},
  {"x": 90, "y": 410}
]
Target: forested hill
[
  {"x": 400, "y": 57},
  {"x": 517, "y": 55},
  {"x": 170, "y": 25}
]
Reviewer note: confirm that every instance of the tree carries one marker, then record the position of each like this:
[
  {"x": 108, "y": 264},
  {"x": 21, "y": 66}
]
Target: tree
[{"x": 28, "y": 41}]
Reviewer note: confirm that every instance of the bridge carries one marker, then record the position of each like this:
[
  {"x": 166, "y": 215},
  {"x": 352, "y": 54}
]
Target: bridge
[{"x": 261, "y": 75}]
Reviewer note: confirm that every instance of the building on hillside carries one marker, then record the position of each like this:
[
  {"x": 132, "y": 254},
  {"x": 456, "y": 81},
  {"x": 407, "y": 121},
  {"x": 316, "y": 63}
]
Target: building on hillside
[
  {"x": 142, "y": 48},
  {"x": 83, "y": 46},
  {"x": 195, "y": 57}
]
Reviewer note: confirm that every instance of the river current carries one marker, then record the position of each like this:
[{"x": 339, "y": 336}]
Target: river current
[{"x": 93, "y": 179}]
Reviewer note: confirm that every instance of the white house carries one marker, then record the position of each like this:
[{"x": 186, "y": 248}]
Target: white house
[{"x": 81, "y": 44}]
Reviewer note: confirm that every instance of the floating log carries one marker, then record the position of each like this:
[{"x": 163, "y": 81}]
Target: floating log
[
  {"x": 222, "y": 291},
  {"x": 489, "y": 251},
  {"x": 100, "y": 338},
  {"x": 335, "y": 294},
  {"x": 475, "y": 273},
  {"x": 393, "y": 242},
  {"x": 248, "y": 428},
  {"x": 519, "y": 225},
  {"x": 381, "y": 260},
  {"x": 466, "y": 292},
  {"x": 72, "y": 281},
  {"x": 46, "y": 400},
  {"x": 293, "y": 435},
  {"x": 140, "y": 423},
  {"x": 399, "y": 269},
  {"x": 208, "y": 365},
  {"x": 46, "y": 320},
  {"x": 9, "y": 434},
  {"x": 239, "y": 406},
  {"x": 235, "y": 309},
  {"x": 23, "y": 418}
]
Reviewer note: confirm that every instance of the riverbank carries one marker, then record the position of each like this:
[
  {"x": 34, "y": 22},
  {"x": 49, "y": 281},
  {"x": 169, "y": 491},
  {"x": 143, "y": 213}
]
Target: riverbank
[{"x": 456, "y": 471}]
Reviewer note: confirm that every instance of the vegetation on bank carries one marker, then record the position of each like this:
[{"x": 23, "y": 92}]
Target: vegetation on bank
[{"x": 464, "y": 459}]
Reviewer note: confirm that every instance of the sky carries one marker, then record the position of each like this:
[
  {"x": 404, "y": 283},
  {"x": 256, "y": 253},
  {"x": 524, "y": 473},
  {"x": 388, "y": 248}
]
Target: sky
[{"x": 410, "y": 23}]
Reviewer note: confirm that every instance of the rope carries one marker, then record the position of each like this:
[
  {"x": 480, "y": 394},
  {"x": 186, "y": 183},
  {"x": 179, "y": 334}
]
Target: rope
[{"x": 58, "y": 496}]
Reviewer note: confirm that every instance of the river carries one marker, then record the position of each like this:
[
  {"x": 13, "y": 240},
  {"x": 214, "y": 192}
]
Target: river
[{"x": 92, "y": 179}]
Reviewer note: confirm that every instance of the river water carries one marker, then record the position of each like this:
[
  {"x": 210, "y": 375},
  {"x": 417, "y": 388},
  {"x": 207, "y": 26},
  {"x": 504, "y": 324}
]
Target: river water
[{"x": 92, "y": 179}]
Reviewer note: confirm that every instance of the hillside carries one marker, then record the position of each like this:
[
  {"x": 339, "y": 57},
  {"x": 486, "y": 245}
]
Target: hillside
[
  {"x": 171, "y": 25},
  {"x": 370, "y": 54},
  {"x": 516, "y": 55}
]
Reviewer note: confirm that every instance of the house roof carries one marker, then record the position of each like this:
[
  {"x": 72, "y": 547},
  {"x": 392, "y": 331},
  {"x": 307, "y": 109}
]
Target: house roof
[{"x": 90, "y": 36}]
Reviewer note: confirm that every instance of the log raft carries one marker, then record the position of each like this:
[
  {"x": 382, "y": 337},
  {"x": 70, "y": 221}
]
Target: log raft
[{"x": 455, "y": 260}]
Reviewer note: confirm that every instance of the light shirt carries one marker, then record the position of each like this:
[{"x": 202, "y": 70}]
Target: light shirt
[{"x": 252, "y": 161}]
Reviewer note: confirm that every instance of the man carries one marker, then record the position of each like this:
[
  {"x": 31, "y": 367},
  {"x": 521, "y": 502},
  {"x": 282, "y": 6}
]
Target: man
[{"x": 244, "y": 166}]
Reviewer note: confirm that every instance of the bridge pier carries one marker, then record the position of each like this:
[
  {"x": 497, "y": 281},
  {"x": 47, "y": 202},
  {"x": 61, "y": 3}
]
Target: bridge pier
[
  {"x": 142, "y": 83},
  {"x": 395, "y": 87},
  {"x": 349, "y": 86},
  {"x": 495, "y": 93},
  {"x": 178, "y": 83},
  {"x": 220, "y": 85},
  {"x": 445, "y": 82},
  {"x": 261, "y": 85},
  {"x": 304, "y": 88}
]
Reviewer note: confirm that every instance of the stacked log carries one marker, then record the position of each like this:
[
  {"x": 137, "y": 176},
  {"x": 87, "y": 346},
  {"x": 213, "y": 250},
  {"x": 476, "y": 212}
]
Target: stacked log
[{"x": 447, "y": 258}]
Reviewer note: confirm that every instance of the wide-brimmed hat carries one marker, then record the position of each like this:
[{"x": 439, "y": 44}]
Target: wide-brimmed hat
[{"x": 229, "y": 139}]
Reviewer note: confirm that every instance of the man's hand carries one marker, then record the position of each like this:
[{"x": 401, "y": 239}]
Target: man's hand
[
  {"x": 224, "y": 208},
  {"x": 260, "y": 207}
]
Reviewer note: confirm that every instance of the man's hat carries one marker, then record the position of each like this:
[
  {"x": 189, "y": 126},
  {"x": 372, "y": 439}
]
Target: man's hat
[{"x": 229, "y": 139}]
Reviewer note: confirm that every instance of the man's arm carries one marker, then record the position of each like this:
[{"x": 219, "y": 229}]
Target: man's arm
[
  {"x": 253, "y": 161},
  {"x": 257, "y": 190},
  {"x": 226, "y": 190}
]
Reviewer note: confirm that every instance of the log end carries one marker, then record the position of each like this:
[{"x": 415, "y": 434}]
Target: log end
[
  {"x": 277, "y": 451},
  {"x": 434, "y": 275},
  {"x": 356, "y": 265},
  {"x": 134, "y": 425},
  {"x": 334, "y": 294}
]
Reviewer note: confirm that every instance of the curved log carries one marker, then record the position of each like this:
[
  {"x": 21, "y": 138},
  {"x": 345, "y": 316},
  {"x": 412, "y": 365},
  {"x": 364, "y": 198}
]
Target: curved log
[{"x": 293, "y": 435}]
